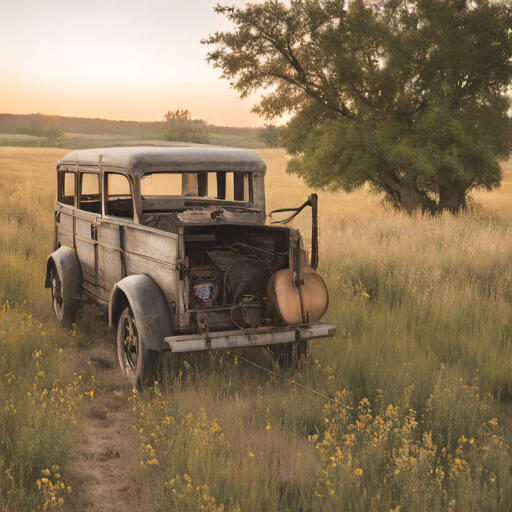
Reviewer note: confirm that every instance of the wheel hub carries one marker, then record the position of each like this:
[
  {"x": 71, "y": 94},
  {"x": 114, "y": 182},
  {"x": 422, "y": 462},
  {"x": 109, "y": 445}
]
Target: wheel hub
[
  {"x": 130, "y": 343},
  {"x": 57, "y": 292}
]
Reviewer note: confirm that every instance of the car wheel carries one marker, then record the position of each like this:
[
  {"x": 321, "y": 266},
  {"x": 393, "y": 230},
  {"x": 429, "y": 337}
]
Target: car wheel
[
  {"x": 65, "y": 307},
  {"x": 290, "y": 355},
  {"x": 138, "y": 363}
]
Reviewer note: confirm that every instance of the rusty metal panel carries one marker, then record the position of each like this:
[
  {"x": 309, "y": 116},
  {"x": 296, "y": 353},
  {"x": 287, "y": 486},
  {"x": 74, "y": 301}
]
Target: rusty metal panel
[
  {"x": 163, "y": 273},
  {"x": 110, "y": 270},
  {"x": 151, "y": 252},
  {"x": 66, "y": 221},
  {"x": 152, "y": 244},
  {"x": 108, "y": 235},
  {"x": 86, "y": 247},
  {"x": 86, "y": 250},
  {"x": 65, "y": 228},
  {"x": 65, "y": 239},
  {"x": 111, "y": 267},
  {"x": 83, "y": 227}
]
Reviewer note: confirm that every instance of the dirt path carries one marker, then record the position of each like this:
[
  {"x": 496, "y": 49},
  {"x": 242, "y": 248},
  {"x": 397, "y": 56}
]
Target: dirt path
[{"x": 107, "y": 453}]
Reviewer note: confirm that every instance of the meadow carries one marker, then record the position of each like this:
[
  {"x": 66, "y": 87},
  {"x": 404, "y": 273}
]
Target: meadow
[
  {"x": 417, "y": 384},
  {"x": 72, "y": 140}
]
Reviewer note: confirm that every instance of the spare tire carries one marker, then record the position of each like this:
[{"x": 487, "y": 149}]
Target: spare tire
[{"x": 301, "y": 305}]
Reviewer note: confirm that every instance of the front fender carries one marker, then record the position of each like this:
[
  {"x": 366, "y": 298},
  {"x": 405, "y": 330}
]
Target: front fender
[
  {"x": 66, "y": 262},
  {"x": 150, "y": 309}
]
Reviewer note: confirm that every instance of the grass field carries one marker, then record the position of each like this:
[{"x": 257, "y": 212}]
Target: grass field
[
  {"x": 419, "y": 375},
  {"x": 85, "y": 141}
]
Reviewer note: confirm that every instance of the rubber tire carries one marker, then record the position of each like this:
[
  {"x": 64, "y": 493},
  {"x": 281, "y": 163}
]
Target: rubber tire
[
  {"x": 140, "y": 372},
  {"x": 64, "y": 306},
  {"x": 289, "y": 356}
]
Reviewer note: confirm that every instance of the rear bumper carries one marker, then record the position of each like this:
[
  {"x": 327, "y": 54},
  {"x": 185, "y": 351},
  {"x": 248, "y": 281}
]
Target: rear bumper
[{"x": 247, "y": 337}]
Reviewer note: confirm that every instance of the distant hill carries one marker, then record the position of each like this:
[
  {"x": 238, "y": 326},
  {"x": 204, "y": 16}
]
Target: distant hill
[
  {"x": 30, "y": 130},
  {"x": 85, "y": 125}
]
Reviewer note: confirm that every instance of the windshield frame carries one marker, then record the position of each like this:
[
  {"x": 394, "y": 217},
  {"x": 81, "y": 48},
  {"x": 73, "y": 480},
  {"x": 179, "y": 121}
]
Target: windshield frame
[{"x": 243, "y": 179}]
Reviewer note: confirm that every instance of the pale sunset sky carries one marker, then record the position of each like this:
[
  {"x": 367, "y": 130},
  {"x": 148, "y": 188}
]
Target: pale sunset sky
[{"x": 115, "y": 59}]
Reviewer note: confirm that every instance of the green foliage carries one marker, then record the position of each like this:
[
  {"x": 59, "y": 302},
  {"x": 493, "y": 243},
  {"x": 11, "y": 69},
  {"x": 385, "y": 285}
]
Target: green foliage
[
  {"x": 181, "y": 128},
  {"x": 408, "y": 96},
  {"x": 53, "y": 132},
  {"x": 271, "y": 136},
  {"x": 37, "y": 125},
  {"x": 35, "y": 131}
]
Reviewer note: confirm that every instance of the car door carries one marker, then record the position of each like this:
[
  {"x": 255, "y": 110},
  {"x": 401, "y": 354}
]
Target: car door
[
  {"x": 87, "y": 218},
  {"x": 112, "y": 231}
]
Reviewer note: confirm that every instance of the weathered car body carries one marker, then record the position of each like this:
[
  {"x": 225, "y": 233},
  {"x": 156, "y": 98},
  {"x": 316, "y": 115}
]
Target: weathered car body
[{"x": 171, "y": 243}]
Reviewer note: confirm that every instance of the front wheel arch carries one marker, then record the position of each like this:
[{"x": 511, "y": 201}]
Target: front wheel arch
[
  {"x": 66, "y": 263},
  {"x": 64, "y": 277},
  {"x": 149, "y": 306}
]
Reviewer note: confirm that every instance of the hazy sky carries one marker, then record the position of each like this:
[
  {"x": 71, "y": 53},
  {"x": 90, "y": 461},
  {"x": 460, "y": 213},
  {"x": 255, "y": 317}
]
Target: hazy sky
[{"x": 114, "y": 59}]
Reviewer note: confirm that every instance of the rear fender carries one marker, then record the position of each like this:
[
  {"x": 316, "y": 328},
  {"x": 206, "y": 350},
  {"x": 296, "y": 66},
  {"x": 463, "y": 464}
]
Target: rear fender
[
  {"x": 65, "y": 261},
  {"x": 150, "y": 309}
]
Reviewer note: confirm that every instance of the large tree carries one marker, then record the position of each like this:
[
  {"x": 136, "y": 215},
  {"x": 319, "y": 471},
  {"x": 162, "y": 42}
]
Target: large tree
[{"x": 409, "y": 96}]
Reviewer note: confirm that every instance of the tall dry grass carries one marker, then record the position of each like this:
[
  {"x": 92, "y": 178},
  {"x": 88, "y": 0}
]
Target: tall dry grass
[
  {"x": 419, "y": 370},
  {"x": 420, "y": 367},
  {"x": 40, "y": 386}
]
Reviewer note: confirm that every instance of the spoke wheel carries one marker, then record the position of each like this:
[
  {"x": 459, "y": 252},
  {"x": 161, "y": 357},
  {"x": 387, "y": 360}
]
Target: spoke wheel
[
  {"x": 138, "y": 363},
  {"x": 57, "y": 298},
  {"x": 65, "y": 307},
  {"x": 130, "y": 342}
]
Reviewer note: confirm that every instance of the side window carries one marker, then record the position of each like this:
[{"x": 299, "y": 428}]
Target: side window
[
  {"x": 118, "y": 195},
  {"x": 66, "y": 188},
  {"x": 90, "y": 198}
]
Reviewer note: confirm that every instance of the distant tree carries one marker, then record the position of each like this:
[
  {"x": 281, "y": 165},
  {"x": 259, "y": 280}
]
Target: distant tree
[
  {"x": 271, "y": 136},
  {"x": 181, "y": 127},
  {"x": 409, "y": 96},
  {"x": 35, "y": 131},
  {"x": 53, "y": 132}
]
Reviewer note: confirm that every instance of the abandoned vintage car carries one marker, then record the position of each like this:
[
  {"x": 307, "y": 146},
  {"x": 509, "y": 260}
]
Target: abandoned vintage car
[{"x": 171, "y": 243}]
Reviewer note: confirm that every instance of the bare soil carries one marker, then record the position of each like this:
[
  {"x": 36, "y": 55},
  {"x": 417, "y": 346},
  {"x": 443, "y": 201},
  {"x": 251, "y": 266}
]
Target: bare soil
[{"x": 106, "y": 461}]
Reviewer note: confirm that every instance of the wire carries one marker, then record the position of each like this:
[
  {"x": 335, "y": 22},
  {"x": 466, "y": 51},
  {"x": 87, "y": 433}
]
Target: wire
[{"x": 285, "y": 378}]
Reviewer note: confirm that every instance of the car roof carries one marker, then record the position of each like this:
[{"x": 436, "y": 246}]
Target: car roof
[{"x": 142, "y": 160}]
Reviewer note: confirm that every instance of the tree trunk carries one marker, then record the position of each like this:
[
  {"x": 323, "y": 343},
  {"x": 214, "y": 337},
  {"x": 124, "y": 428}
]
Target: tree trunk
[
  {"x": 453, "y": 197},
  {"x": 405, "y": 195}
]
